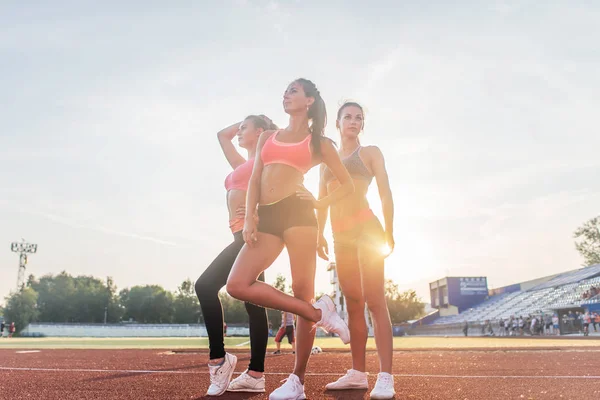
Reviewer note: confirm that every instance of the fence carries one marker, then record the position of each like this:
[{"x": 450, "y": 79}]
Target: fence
[{"x": 124, "y": 330}]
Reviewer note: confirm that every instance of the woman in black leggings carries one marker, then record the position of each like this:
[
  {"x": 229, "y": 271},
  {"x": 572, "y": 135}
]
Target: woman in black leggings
[{"x": 222, "y": 364}]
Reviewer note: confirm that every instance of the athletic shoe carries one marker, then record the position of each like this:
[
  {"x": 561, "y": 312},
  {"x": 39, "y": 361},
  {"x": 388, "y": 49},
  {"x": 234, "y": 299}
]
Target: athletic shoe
[
  {"x": 220, "y": 375},
  {"x": 384, "y": 387},
  {"x": 352, "y": 380},
  {"x": 292, "y": 389},
  {"x": 247, "y": 383},
  {"x": 277, "y": 352},
  {"x": 330, "y": 320}
]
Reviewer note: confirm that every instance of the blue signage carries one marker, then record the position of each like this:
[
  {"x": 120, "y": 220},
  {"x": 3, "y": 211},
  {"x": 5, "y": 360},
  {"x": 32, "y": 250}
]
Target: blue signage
[{"x": 473, "y": 286}]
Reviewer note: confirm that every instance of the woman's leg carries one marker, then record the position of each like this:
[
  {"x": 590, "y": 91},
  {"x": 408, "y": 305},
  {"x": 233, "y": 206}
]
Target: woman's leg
[
  {"x": 242, "y": 283},
  {"x": 301, "y": 243},
  {"x": 373, "y": 279},
  {"x": 259, "y": 335},
  {"x": 207, "y": 290},
  {"x": 349, "y": 276}
]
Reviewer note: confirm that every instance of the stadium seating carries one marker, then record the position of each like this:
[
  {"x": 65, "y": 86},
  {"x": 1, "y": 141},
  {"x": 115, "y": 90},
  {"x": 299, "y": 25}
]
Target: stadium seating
[{"x": 562, "y": 291}]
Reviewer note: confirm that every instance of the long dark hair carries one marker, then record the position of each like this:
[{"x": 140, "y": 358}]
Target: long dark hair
[{"x": 317, "y": 114}]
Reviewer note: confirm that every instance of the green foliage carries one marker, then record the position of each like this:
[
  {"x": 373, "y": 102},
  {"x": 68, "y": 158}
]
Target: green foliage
[
  {"x": 234, "y": 311},
  {"x": 86, "y": 299},
  {"x": 21, "y": 308},
  {"x": 186, "y": 305},
  {"x": 587, "y": 241},
  {"x": 64, "y": 298},
  {"x": 403, "y": 306},
  {"x": 149, "y": 304}
]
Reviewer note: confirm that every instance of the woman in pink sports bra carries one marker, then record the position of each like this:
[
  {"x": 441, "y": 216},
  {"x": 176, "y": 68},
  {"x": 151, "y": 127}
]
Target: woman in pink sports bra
[
  {"x": 359, "y": 245},
  {"x": 286, "y": 217},
  {"x": 221, "y": 364}
]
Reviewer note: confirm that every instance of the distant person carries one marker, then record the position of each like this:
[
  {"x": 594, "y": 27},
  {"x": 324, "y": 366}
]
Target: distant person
[
  {"x": 555, "y": 325},
  {"x": 286, "y": 329},
  {"x": 466, "y": 329},
  {"x": 2, "y": 329},
  {"x": 586, "y": 323},
  {"x": 11, "y": 329},
  {"x": 361, "y": 245},
  {"x": 221, "y": 364},
  {"x": 501, "y": 324},
  {"x": 548, "y": 323}
]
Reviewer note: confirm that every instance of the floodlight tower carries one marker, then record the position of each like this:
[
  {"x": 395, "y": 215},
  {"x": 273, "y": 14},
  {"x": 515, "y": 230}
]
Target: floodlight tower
[{"x": 23, "y": 248}]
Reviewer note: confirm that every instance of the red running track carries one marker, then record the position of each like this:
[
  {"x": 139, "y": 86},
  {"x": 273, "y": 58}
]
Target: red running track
[{"x": 438, "y": 374}]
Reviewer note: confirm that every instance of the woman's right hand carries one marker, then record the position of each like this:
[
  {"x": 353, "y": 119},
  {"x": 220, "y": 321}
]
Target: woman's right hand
[
  {"x": 322, "y": 248},
  {"x": 250, "y": 231}
]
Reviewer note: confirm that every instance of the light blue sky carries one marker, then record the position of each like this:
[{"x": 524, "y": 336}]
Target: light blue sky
[{"x": 485, "y": 113}]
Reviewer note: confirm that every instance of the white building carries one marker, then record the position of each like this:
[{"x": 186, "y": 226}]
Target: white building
[{"x": 338, "y": 298}]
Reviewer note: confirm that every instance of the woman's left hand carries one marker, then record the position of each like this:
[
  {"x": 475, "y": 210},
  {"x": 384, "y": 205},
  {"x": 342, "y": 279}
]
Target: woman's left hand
[
  {"x": 304, "y": 194},
  {"x": 389, "y": 241}
]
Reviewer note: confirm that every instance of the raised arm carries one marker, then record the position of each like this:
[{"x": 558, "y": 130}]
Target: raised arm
[
  {"x": 225, "y": 137},
  {"x": 253, "y": 193},
  {"x": 385, "y": 193},
  {"x": 331, "y": 158}
]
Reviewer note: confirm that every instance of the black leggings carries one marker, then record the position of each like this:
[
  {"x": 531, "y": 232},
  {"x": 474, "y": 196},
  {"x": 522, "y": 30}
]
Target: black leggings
[{"x": 207, "y": 290}]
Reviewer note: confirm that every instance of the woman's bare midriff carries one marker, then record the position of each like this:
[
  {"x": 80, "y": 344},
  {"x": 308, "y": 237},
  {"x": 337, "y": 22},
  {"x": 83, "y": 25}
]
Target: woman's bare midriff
[
  {"x": 278, "y": 181},
  {"x": 351, "y": 204},
  {"x": 235, "y": 199}
]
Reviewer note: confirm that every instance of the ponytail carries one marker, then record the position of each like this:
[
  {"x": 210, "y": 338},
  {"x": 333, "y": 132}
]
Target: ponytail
[{"x": 317, "y": 114}]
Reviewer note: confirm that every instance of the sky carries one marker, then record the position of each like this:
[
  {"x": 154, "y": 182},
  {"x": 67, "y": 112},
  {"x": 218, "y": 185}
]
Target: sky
[{"x": 486, "y": 113}]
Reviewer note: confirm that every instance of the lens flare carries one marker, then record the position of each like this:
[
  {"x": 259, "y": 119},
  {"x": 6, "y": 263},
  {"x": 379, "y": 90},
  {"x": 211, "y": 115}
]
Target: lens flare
[{"x": 385, "y": 250}]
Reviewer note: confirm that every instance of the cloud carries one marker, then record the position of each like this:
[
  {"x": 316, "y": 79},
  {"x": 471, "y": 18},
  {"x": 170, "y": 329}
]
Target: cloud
[{"x": 78, "y": 225}]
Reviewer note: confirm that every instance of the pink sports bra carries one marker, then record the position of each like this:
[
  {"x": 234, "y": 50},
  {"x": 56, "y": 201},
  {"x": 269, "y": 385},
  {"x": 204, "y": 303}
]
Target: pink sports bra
[
  {"x": 296, "y": 155},
  {"x": 239, "y": 178}
]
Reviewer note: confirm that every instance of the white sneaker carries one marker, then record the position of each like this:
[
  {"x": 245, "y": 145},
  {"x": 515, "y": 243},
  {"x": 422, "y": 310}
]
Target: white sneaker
[
  {"x": 330, "y": 320},
  {"x": 384, "y": 388},
  {"x": 292, "y": 389},
  {"x": 220, "y": 375},
  {"x": 352, "y": 380},
  {"x": 247, "y": 383}
]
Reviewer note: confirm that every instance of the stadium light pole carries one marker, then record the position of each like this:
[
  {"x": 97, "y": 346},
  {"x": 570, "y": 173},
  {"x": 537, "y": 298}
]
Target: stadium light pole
[{"x": 23, "y": 248}]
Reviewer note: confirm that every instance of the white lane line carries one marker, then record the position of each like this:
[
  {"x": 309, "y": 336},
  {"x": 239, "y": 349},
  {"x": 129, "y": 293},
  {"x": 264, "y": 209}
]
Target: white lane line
[
  {"x": 142, "y": 371},
  {"x": 27, "y": 351},
  {"x": 242, "y": 344}
]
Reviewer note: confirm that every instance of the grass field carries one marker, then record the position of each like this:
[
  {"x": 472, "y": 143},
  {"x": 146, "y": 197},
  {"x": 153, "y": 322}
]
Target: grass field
[{"x": 400, "y": 343}]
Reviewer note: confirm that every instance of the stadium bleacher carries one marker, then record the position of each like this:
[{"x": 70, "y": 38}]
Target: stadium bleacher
[{"x": 564, "y": 290}]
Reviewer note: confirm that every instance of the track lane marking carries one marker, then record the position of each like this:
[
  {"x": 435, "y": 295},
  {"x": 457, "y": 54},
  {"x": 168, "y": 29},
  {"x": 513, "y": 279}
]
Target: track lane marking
[{"x": 438, "y": 376}]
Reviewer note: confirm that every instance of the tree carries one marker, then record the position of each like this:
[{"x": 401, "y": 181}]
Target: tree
[
  {"x": 64, "y": 298},
  {"x": 186, "y": 305},
  {"x": 587, "y": 241},
  {"x": 21, "y": 308},
  {"x": 403, "y": 306},
  {"x": 234, "y": 311},
  {"x": 56, "y": 297},
  {"x": 150, "y": 304},
  {"x": 115, "y": 309}
]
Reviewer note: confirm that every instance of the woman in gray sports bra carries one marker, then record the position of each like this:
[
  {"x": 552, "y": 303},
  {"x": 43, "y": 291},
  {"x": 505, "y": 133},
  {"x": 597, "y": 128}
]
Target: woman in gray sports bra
[{"x": 361, "y": 245}]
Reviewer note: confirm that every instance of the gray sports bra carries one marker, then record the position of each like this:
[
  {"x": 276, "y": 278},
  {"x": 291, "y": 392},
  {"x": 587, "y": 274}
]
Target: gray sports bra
[{"x": 355, "y": 166}]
